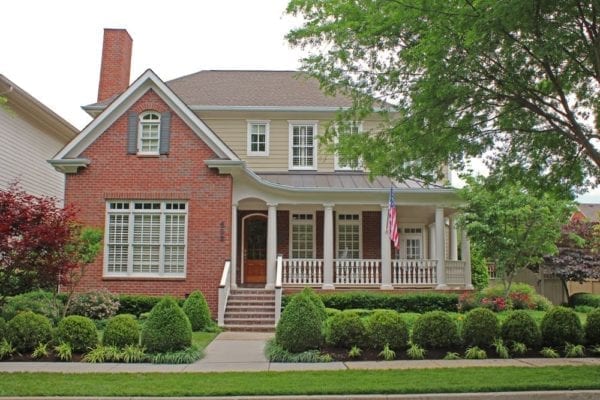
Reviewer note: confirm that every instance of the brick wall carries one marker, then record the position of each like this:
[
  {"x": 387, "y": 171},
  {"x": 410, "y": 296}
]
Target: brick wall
[
  {"x": 371, "y": 231},
  {"x": 182, "y": 175}
]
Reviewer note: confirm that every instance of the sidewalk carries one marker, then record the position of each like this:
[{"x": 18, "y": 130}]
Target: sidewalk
[{"x": 244, "y": 351}]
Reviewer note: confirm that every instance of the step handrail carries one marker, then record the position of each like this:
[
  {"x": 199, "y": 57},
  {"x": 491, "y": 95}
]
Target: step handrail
[
  {"x": 278, "y": 287},
  {"x": 224, "y": 289}
]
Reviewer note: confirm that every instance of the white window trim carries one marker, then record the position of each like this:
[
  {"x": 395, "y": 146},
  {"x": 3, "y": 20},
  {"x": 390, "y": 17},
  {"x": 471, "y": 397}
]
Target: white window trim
[
  {"x": 360, "y": 233},
  {"x": 131, "y": 212},
  {"x": 139, "y": 133},
  {"x": 314, "y": 233},
  {"x": 293, "y": 123},
  {"x": 249, "y": 151},
  {"x": 403, "y": 236},
  {"x": 336, "y": 157}
]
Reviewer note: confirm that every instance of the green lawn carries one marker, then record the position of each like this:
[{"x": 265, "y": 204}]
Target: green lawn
[
  {"x": 455, "y": 380},
  {"x": 202, "y": 339}
]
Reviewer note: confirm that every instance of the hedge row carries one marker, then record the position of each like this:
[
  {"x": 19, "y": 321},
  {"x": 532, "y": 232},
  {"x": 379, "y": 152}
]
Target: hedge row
[{"x": 585, "y": 299}]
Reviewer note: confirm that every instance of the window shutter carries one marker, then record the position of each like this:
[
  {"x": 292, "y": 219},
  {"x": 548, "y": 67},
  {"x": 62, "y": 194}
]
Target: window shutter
[
  {"x": 165, "y": 132},
  {"x": 132, "y": 128}
]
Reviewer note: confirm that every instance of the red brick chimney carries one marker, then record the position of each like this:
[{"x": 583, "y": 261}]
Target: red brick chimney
[{"x": 116, "y": 63}]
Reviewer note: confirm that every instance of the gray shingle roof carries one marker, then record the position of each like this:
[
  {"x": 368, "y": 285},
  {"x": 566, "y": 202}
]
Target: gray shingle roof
[{"x": 591, "y": 211}]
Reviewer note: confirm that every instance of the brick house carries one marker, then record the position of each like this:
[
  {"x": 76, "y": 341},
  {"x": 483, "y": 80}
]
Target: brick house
[{"x": 215, "y": 181}]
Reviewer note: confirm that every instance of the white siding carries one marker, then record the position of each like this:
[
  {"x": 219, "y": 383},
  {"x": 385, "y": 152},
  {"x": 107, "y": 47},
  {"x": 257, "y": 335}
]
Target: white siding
[{"x": 24, "y": 149}]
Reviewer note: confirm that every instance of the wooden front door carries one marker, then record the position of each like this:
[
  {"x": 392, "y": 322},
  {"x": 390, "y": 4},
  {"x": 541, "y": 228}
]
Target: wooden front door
[{"x": 255, "y": 249}]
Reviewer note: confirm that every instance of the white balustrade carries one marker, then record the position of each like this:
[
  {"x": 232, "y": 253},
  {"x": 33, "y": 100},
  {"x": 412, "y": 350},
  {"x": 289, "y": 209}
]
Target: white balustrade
[
  {"x": 302, "y": 271},
  {"x": 414, "y": 272},
  {"x": 357, "y": 272},
  {"x": 455, "y": 272},
  {"x": 224, "y": 289}
]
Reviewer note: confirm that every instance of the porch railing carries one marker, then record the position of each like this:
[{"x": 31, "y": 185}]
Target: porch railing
[
  {"x": 357, "y": 272},
  {"x": 224, "y": 289},
  {"x": 414, "y": 272},
  {"x": 278, "y": 288},
  {"x": 302, "y": 271},
  {"x": 455, "y": 272}
]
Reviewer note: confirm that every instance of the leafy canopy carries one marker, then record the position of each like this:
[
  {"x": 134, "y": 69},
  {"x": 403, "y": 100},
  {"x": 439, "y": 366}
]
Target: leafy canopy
[{"x": 517, "y": 81}]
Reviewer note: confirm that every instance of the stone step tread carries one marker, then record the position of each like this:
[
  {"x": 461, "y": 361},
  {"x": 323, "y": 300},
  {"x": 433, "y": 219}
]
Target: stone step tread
[
  {"x": 244, "y": 321},
  {"x": 265, "y": 315},
  {"x": 239, "y": 303},
  {"x": 249, "y": 328},
  {"x": 259, "y": 291}
]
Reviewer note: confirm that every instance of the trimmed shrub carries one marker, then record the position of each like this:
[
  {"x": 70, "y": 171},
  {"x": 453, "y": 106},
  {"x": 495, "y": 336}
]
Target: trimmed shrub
[
  {"x": 419, "y": 303},
  {"x": 520, "y": 327},
  {"x": 314, "y": 297},
  {"x": 39, "y": 301},
  {"x": 434, "y": 330},
  {"x": 196, "y": 309},
  {"x": 78, "y": 331},
  {"x": 585, "y": 299},
  {"x": 480, "y": 328},
  {"x": 299, "y": 328},
  {"x": 137, "y": 304},
  {"x": 121, "y": 330},
  {"x": 97, "y": 304},
  {"x": 167, "y": 328},
  {"x": 386, "y": 327},
  {"x": 2, "y": 328},
  {"x": 561, "y": 325},
  {"x": 27, "y": 329},
  {"x": 521, "y": 296},
  {"x": 592, "y": 328},
  {"x": 345, "y": 329}
]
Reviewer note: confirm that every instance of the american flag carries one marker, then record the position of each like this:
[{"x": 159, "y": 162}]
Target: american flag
[{"x": 392, "y": 224}]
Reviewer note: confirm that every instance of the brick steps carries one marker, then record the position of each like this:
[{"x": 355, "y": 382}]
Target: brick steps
[{"x": 250, "y": 310}]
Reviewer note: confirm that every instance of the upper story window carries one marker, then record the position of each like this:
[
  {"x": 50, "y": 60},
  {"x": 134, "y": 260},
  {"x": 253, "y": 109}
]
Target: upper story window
[
  {"x": 149, "y": 133},
  {"x": 258, "y": 138},
  {"x": 353, "y": 128},
  {"x": 302, "y": 145}
]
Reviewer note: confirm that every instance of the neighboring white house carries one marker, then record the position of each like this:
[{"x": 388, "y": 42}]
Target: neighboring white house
[{"x": 30, "y": 134}]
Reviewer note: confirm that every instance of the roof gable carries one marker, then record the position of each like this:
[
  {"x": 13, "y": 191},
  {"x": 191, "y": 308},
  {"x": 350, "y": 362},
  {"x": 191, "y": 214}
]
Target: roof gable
[{"x": 148, "y": 80}]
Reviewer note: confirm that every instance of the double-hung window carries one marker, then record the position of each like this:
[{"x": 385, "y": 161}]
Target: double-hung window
[
  {"x": 302, "y": 236},
  {"x": 342, "y": 164},
  {"x": 258, "y": 138},
  {"x": 348, "y": 236},
  {"x": 303, "y": 149},
  {"x": 146, "y": 238},
  {"x": 149, "y": 133}
]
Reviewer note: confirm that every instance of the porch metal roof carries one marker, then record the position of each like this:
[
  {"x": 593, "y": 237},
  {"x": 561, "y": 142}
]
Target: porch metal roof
[{"x": 343, "y": 180}]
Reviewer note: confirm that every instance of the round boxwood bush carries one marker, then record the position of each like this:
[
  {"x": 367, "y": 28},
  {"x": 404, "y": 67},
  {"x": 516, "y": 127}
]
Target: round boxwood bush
[
  {"x": 345, "y": 329},
  {"x": 561, "y": 325},
  {"x": 434, "y": 330},
  {"x": 121, "y": 330},
  {"x": 38, "y": 301},
  {"x": 80, "y": 332},
  {"x": 196, "y": 309},
  {"x": 386, "y": 327},
  {"x": 167, "y": 328},
  {"x": 520, "y": 327},
  {"x": 27, "y": 329},
  {"x": 480, "y": 327},
  {"x": 592, "y": 328},
  {"x": 299, "y": 328}
]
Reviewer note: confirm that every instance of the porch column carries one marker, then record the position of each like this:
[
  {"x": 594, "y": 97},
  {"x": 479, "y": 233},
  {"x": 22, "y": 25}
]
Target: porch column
[
  {"x": 234, "y": 243},
  {"x": 453, "y": 239},
  {"x": 432, "y": 242},
  {"x": 328, "y": 247},
  {"x": 386, "y": 248},
  {"x": 439, "y": 248},
  {"x": 271, "y": 244},
  {"x": 465, "y": 255}
]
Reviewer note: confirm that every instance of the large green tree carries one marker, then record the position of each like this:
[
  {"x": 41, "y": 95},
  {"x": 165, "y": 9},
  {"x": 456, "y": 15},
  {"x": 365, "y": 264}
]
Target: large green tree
[
  {"x": 515, "y": 80},
  {"x": 512, "y": 227}
]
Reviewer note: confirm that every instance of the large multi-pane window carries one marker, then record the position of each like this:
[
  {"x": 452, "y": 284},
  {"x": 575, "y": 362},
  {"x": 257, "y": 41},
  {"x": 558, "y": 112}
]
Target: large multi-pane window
[
  {"x": 303, "y": 236},
  {"x": 302, "y": 145},
  {"x": 341, "y": 163},
  {"x": 348, "y": 236},
  {"x": 258, "y": 138},
  {"x": 149, "y": 133},
  {"x": 146, "y": 238}
]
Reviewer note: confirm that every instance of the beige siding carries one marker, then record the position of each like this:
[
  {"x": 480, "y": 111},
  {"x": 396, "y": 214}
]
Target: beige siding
[
  {"x": 231, "y": 127},
  {"x": 24, "y": 149}
]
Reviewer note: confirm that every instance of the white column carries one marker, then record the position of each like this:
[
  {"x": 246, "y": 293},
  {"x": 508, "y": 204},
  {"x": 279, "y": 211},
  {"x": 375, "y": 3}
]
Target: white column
[
  {"x": 271, "y": 244},
  {"x": 440, "y": 248},
  {"x": 453, "y": 239},
  {"x": 432, "y": 242},
  {"x": 328, "y": 247},
  {"x": 465, "y": 255},
  {"x": 386, "y": 248},
  {"x": 234, "y": 244}
]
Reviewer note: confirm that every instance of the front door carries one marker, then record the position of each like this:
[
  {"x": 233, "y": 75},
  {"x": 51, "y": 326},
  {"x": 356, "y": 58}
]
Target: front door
[{"x": 255, "y": 249}]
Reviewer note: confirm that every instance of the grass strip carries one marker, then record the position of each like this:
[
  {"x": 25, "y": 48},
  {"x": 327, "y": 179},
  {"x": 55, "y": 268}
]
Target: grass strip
[{"x": 450, "y": 380}]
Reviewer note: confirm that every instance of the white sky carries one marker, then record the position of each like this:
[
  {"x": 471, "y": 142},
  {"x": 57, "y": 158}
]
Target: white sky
[{"x": 52, "y": 49}]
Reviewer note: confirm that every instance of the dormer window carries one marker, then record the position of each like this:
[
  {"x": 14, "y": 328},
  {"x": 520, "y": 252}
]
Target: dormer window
[{"x": 149, "y": 133}]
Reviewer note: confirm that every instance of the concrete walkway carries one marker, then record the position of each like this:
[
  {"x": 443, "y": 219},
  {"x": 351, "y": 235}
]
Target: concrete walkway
[{"x": 244, "y": 351}]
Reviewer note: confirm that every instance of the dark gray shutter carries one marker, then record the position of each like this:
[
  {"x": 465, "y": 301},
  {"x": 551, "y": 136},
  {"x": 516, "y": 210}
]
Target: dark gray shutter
[
  {"x": 165, "y": 132},
  {"x": 132, "y": 128}
]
